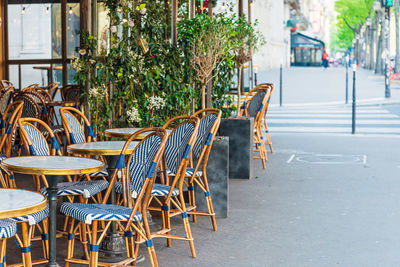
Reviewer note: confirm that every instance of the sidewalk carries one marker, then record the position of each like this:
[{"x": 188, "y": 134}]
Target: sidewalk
[{"x": 311, "y": 85}]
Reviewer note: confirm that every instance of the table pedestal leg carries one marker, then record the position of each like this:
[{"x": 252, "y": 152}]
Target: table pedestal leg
[
  {"x": 52, "y": 197},
  {"x": 113, "y": 247}
]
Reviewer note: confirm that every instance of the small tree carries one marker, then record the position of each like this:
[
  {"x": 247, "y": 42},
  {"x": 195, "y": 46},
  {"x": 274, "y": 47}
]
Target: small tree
[
  {"x": 208, "y": 38},
  {"x": 246, "y": 39}
]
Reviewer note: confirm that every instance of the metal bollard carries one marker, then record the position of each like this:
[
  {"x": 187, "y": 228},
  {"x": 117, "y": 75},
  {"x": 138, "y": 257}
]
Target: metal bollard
[
  {"x": 280, "y": 86},
  {"x": 353, "y": 117},
  {"x": 347, "y": 82}
]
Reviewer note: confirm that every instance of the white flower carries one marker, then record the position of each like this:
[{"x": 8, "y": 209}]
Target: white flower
[
  {"x": 124, "y": 20},
  {"x": 92, "y": 61},
  {"x": 113, "y": 29},
  {"x": 156, "y": 103},
  {"x": 82, "y": 52},
  {"x": 143, "y": 11},
  {"x": 131, "y": 23},
  {"x": 133, "y": 115},
  {"x": 97, "y": 92},
  {"x": 76, "y": 64}
]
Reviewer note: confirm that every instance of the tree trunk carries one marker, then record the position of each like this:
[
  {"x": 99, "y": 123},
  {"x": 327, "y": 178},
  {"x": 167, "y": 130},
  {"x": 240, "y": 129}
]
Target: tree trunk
[
  {"x": 396, "y": 16},
  {"x": 238, "y": 92},
  {"x": 371, "y": 48},
  {"x": 203, "y": 96},
  {"x": 379, "y": 50}
]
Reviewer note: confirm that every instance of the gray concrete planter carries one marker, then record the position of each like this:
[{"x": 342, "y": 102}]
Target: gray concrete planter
[
  {"x": 218, "y": 178},
  {"x": 240, "y": 132}
]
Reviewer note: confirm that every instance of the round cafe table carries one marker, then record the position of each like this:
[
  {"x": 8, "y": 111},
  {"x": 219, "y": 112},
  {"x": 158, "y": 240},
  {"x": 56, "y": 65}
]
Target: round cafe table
[
  {"x": 125, "y": 133},
  {"x": 20, "y": 202},
  {"x": 113, "y": 248},
  {"x": 53, "y": 167}
]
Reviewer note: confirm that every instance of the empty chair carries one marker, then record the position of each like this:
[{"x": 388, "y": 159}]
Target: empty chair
[{"x": 138, "y": 176}]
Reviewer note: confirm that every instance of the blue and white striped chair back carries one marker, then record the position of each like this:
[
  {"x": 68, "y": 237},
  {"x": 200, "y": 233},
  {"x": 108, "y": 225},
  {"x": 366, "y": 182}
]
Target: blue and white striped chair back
[
  {"x": 77, "y": 134},
  {"x": 203, "y": 134},
  {"x": 141, "y": 163},
  {"x": 39, "y": 145},
  {"x": 177, "y": 145},
  {"x": 255, "y": 103}
]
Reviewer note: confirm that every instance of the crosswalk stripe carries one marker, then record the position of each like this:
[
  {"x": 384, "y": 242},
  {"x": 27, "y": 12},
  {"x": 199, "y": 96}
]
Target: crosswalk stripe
[
  {"x": 273, "y": 115},
  {"x": 369, "y": 120},
  {"x": 334, "y": 121},
  {"x": 362, "y": 130}
]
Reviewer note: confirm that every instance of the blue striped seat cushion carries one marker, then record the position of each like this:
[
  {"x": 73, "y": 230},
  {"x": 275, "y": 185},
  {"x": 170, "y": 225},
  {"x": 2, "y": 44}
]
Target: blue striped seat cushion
[
  {"x": 86, "y": 212},
  {"x": 34, "y": 218},
  {"x": 163, "y": 190},
  {"x": 188, "y": 172},
  {"x": 8, "y": 228},
  {"x": 85, "y": 188},
  {"x": 158, "y": 190},
  {"x": 99, "y": 173},
  {"x": 2, "y": 157}
]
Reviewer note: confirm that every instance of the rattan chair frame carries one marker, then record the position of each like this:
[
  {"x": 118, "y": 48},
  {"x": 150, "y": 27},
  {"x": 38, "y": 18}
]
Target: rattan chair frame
[
  {"x": 142, "y": 230},
  {"x": 202, "y": 161},
  {"x": 178, "y": 202}
]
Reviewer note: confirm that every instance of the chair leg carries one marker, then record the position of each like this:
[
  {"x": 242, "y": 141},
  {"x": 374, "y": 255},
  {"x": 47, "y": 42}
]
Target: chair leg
[
  {"x": 94, "y": 250},
  {"x": 3, "y": 243},
  {"x": 192, "y": 200},
  {"x": 187, "y": 225},
  {"x": 210, "y": 206},
  {"x": 268, "y": 137},
  {"x": 83, "y": 239},
  {"x": 167, "y": 223},
  {"x": 45, "y": 240},
  {"x": 71, "y": 242},
  {"x": 26, "y": 248}
]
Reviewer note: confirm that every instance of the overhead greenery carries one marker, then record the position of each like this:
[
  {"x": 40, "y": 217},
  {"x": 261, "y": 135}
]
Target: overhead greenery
[
  {"x": 135, "y": 75},
  {"x": 352, "y": 14}
]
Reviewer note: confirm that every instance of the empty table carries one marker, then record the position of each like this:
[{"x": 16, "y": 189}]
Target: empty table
[
  {"x": 19, "y": 202},
  {"x": 52, "y": 167}
]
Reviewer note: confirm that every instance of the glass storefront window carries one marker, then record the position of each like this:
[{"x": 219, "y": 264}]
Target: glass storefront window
[
  {"x": 73, "y": 27},
  {"x": 30, "y": 28}
]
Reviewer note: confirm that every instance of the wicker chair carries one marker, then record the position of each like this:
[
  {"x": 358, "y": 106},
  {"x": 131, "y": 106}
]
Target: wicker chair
[
  {"x": 168, "y": 196},
  {"x": 8, "y": 228},
  {"x": 137, "y": 176},
  {"x": 197, "y": 175}
]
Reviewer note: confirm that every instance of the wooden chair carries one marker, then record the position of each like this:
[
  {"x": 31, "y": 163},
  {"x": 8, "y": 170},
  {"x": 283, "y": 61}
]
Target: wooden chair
[
  {"x": 76, "y": 131},
  {"x": 138, "y": 176},
  {"x": 52, "y": 89},
  {"x": 169, "y": 194},
  {"x": 271, "y": 88},
  {"x": 37, "y": 145},
  {"x": 5, "y": 99},
  {"x": 9, "y": 123},
  {"x": 71, "y": 93},
  {"x": 208, "y": 127},
  {"x": 8, "y": 228},
  {"x": 258, "y": 125}
]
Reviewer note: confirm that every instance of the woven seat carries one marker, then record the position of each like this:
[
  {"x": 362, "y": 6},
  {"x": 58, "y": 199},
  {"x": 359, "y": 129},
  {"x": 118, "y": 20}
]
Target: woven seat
[
  {"x": 139, "y": 173},
  {"x": 34, "y": 218},
  {"x": 85, "y": 188},
  {"x": 2, "y": 157},
  {"x": 8, "y": 228},
  {"x": 158, "y": 189},
  {"x": 86, "y": 212},
  {"x": 188, "y": 172}
]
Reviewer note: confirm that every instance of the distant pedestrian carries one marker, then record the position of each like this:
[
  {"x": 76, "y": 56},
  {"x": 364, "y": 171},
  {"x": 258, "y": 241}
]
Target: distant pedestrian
[{"x": 325, "y": 59}]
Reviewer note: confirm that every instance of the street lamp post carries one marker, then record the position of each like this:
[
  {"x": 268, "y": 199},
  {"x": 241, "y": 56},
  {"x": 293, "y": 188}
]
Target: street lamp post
[{"x": 386, "y": 52}]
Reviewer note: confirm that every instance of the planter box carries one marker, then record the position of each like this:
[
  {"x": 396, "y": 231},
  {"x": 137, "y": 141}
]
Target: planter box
[
  {"x": 218, "y": 178},
  {"x": 240, "y": 132}
]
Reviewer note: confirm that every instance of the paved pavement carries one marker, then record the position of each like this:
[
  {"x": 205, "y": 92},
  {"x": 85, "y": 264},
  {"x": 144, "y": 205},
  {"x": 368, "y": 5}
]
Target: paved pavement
[
  {"x": 312, "y": 85},
  {"x": 333, "y": 119}
]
